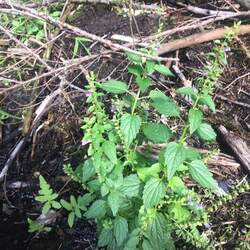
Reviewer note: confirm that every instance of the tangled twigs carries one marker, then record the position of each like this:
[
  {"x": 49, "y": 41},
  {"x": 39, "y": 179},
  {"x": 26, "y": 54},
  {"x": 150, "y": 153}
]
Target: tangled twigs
[{"x": 17, "y": 9}]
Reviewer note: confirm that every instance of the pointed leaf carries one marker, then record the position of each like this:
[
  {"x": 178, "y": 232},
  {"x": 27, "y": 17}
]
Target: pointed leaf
[
  {"x": 153, "y": 192},
  {"x": 66, "y": 205},
  {"x": 207, "y": 100},
  {"x": 136, "y": 70},
  {"x": 163, "y": 70},
  {"x": 96, "y": 210},
  {"x": 114, "y": 87},
  {"x": 157, "y": 132},
  {"x": 194, "y": 118},
  {"x": 134, "y": 58},
  {"x": 147, "y": 172},
  {"x": 130, "y": 126},
  {"x": 131, "y": 186},
  {"x": 143, "y": 83},
  {"x": 105, "y": 237},
  {"x": 206, "y": 132},
  {"x": 174, "y": 157},
  {"x": 46, "y": 208},
  {"x": 157, "y": 233},
  {"x": 71, "y": 219},
  {"x": 114, "y": 201},
  {"x": 109, "y": 149},
  {"x": 201, "y": 174},
  {"x": 120, "y": 230},
  {"x": 164, "y": 104},
  {"x": 186, "y": 91},
  {"x": 150, "y": 66}
]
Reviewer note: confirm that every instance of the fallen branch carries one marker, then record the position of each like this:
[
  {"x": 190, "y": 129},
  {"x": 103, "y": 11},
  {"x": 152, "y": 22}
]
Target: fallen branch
[
  {"x": 199, "y": 38},
  {"x": 238, "y": 146},
  {"x": 196, "y": 25},
  {"x": 206, "y": 12}
]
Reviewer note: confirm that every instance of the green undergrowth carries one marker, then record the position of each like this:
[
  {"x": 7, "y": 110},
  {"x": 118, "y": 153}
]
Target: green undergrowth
[{"x": 140, "y": 202}]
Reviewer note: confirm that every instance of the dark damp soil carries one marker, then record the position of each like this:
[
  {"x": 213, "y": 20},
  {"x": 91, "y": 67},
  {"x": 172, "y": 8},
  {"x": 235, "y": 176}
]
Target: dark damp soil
[{"x": 58, "y": 141}]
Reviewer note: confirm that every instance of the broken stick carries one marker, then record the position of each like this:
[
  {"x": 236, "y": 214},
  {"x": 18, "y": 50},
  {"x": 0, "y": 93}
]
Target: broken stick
[
  {"x": 238, "y": 146},
  {"x": 199, "y": 38}
]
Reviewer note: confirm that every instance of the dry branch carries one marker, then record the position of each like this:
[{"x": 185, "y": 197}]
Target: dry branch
[
  {"x": 199, "y": 38},
  {"x": 238, "y": 146}
]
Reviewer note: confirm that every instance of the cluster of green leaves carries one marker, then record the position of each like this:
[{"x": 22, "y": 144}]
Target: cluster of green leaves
[
  {"x": 26, "y": 27},
  {"x": 139, "y": 202},
  {"x": 47, "y": 196},
  {"x": 36, "y": 227}
]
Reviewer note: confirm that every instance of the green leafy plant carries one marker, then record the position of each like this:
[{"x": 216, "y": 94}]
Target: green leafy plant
[
  {"x": 47, "y": 196},
  {"x": 35, "y": 226},
  {"x": 80, "y": 42},
  {"x": 137, "y": 201}
]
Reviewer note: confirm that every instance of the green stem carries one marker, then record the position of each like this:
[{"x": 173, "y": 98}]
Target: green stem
[
  {"x": 185, "y": 130},
  {"x": 136, "y": 100}
]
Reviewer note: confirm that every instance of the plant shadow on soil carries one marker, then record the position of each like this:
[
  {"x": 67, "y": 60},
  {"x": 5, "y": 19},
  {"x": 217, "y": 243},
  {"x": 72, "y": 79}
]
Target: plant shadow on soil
[{"x": 59, "y": 141}]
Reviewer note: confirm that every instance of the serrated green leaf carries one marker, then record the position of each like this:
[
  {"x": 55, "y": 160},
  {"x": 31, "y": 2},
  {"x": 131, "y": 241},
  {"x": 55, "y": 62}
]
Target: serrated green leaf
[
  {"x": 133, "y": 241},
  {"x": 145, "y": 173},
  {"x": 114, "y": 201},
  {"x": 153, "y": 192},
  {"x": 207, "y": 100},
  {"x": 192, "y": 154},
  {"x": 46, "y": 208},
  {"x": 41, "y": 199},
  {"x": 157, "y": 233},
  {"x": 201, "y": 174},
  {"x": 186, "y": 91},
  {"x": 66, "y": 205},
  {"x": 163, "y": 104},
  {"x": 114, "y": 87},
  {"x": 56, "y": 204},
  {"x": 86, "y": 171},
  {"x": 131, "y": 186},
  {"x": 130, "y": 126},
  {"x": 71, "y": 219},
  {"x": 179, "y": 212},
  {"x": 163, "y": 70},
  {"x": 134, "y": 58},
  {"x": 96, "y": 210},
  {"x": 177, "y": 185},
  {"x": 120, "y": 230},
  {"x": 206, "y": 132},
  {"x": 174, "y": 157},
  {"x": 94, "y": 185},
  {"x": 84, "y": 201},
  {"x": 109, "y": 149},
  {"x": 195, "y": 117},
  {"x": 143, "y": 83},
  {"x": 105, "y": 237},
  {"x": 157, "y": 132},
  {"x": 43, "y": 183},
  {"x": 150, "y": 66},
  {"x": 136, "y": 70}
]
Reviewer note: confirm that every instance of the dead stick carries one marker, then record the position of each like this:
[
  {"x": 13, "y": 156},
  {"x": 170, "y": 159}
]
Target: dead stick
[
  {"x": 199, "y": 38},
  {"x": 238, "y": 146}
]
